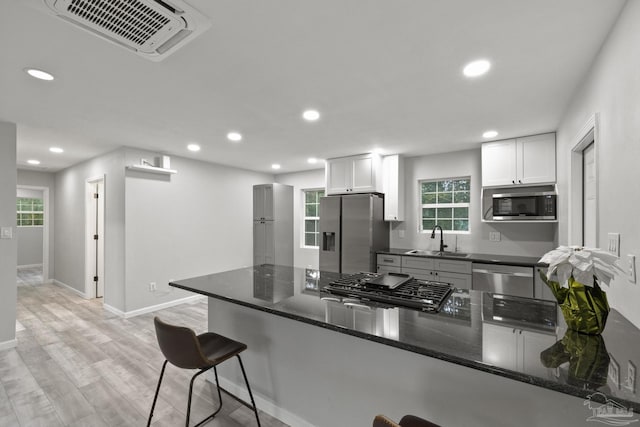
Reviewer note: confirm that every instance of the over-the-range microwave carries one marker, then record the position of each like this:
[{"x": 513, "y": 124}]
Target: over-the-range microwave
[{"x": 524, "y": 206}]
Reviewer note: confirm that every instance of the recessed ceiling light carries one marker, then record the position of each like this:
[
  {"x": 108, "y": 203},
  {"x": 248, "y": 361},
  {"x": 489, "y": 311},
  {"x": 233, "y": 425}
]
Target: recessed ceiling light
[
  {"x": 234, "y": 136},
  {"x": 38, "y": 74},
  {"x": 275, "y": 166},
  {"x": 33, "y": 162},
  {"x": 311, "y": 115},
  {"x": 312, "y": 160},
  {"x": 490, "y": 134},
  {"x": 56, "y": 150},
  {"x": 476, "y": 68},
  {"x": 193, "y": 147}
]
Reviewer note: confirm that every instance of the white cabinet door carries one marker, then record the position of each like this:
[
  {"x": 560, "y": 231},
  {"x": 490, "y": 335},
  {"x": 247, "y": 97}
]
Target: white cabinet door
[
  {"x": 263, "y": 243},
  {"x": 338, "y": 172},
  {"x": 393, "y": 187},
  {"x": 354, "y": 174},
  {"x": 536, "y": 159},
  {"x": 499, "y": 163},
  {"x": 534, "y": 343},
  {"x": 262, "y": 202},
  {"x": 499, "y": 346}
]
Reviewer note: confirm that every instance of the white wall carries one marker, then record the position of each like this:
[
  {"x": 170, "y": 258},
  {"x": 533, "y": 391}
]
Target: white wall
[
  {"x": 69, "y": 225},
  {"x": 308, "y": 180},
  {"x": 8, "y": 247},
  {"x": 196, "y": 222},
  {"x": 611, "y": 89},
  {"x": 517, "y": 239}
]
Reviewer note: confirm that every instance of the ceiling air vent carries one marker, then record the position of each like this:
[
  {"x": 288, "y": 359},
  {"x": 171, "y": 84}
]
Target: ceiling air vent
[{"x": 152, "y": 28}]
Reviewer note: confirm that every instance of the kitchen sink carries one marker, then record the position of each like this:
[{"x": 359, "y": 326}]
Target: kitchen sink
[{"x": 437, "y": 253}]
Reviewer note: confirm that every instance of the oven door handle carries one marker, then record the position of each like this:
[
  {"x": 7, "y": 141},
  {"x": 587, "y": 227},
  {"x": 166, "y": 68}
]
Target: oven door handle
[{"x": 502, "y": 273}]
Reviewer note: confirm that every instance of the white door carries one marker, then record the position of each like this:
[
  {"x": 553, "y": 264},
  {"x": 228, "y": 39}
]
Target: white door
[
  {"x": 94, "y": 226},
  {"x": 589, "y": 197}
]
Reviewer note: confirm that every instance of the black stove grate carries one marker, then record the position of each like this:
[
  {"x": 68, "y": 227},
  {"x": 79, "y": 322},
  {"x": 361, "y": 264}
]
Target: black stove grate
[{"x": 422, "y": 295}]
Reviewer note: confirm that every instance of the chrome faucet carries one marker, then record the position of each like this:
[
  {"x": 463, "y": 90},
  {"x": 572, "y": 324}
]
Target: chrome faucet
[{"x": 433, "y": 236}]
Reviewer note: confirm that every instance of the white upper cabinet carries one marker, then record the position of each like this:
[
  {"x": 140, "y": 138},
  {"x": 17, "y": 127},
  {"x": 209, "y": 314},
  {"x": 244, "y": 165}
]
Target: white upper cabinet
[
  {"x": 354, "y": 174},
  {"x": 263, "y": 202},
  {"x": 393, "y": 187},
  {"x": 522, "y": 161}
]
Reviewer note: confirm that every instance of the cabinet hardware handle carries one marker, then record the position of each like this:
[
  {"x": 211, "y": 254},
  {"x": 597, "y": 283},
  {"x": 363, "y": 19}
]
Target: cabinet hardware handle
[
  {"x": 513, "y": 181},
  {"x": 520, "y": 181},
  {"x": 388, "y": 260}
]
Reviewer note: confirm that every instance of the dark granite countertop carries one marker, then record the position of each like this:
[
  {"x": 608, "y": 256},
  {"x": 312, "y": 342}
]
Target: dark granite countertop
[
  {"x": 476, "y": 329},
  {"x": 474, "y": 257}
]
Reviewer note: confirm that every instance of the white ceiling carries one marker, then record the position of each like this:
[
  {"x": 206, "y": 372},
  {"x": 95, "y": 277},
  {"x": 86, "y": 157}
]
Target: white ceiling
[{"x": 384, "y": 74}]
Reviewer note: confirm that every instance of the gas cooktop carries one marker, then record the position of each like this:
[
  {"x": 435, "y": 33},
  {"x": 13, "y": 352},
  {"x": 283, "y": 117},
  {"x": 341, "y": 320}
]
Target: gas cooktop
[{"x": 394, "y": 289}]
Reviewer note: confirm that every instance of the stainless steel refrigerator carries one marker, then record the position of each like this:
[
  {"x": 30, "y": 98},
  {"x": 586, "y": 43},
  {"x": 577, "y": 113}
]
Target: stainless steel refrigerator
[{"x": 352, "y": 229}]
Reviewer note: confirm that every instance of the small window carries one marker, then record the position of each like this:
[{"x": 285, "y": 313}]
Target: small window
[
  {"x": 311, "y": 218},
  {"x": 445, "y": 202},
  {"x": 30, "y": 212}
]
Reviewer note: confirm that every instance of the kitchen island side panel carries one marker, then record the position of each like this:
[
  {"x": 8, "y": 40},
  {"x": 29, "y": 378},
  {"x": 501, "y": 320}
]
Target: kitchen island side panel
[{"x": 310, "y": 376}]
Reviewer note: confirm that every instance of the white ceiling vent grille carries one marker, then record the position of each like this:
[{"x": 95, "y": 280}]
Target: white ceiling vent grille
[{"x": 152, "y": 28}]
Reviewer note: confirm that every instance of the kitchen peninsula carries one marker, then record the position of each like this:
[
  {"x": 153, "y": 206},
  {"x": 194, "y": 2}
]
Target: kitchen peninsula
[{"x": 315, "y": 359}]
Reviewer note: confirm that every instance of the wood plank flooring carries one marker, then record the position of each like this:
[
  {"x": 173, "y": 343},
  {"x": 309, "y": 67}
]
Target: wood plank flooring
[{"x": 77, "y": 364}]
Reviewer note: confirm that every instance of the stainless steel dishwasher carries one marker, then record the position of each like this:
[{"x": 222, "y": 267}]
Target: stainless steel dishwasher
[{"x": 503, "y": 279}]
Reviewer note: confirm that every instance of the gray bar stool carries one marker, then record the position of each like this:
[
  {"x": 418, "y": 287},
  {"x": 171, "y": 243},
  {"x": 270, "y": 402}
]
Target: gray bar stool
[{"x": 184, "y": 349}]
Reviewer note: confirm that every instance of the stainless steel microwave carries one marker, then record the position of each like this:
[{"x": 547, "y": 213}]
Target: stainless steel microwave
[{"x": 524, "y": 206}]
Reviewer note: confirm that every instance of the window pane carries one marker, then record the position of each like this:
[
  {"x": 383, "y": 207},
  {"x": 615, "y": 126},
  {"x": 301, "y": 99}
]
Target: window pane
[
  {"x": 461, "y": 224},
  {"x": 429, "y": 187},
  {"x": 310, "y": 239},
  {"x": 445, "y": 197},
  {"x": 309, "y": 196},
  {"x": 461, "y": 185},
  {"x": 446, "y": 213},
  {"x": 461, "y": 213},
  {"x": 311, "y": 210},
  {"x": 428, "y": 224},
  {"x": 445, "y": 186},
  {"x": 428, "y": 212},
  {"x": 38, "y": 206},
  {"x": 428, "y": 198},
  {"x": 310, "y": 226},
  {"x": 37, "y": 219},
  {"x": 461, "y": 197},
  {"x": 445, "y": 224}
]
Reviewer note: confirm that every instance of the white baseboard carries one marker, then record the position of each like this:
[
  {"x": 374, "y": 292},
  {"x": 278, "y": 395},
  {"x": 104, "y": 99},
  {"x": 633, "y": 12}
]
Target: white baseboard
[
  {"x": 25, "y": 266},
  {"x": 8, "y": 344},
  {"x": 152, "y": 308},
  {"x": 263, "y": 404},
  {"x": 72, "y": 289}
]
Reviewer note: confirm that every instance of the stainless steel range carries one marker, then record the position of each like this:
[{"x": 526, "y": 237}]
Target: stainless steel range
[{"x": 394, "y": 289}]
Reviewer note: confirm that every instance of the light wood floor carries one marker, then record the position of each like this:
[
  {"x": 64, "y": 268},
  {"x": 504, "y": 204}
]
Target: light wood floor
[{"x": 76, "y": 365}]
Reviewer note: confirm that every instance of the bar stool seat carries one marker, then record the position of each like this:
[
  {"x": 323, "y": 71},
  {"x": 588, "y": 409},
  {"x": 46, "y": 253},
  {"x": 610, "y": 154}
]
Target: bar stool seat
[
  {"x": 406, "y": 421},
  {"x": 182, "y": 348}
]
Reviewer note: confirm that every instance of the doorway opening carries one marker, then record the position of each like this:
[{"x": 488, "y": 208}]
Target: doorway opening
[
  {"x": 583, "y": 194},
  {"x": 94, "y": 241},
  {"x": 32, "y": 221}
]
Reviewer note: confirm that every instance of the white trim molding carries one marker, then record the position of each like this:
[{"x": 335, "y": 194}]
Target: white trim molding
[
  {"x": 72, "y": 289},
  {"x": 152, "y": 308},
  {"x": 587, "y": 133},
  {"x": 6, "y": 345}
]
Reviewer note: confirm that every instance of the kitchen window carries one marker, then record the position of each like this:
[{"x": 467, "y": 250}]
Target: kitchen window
[
  {"x": 30, "y": 212},
  {"x": 311, "y": 218},
  {"x": 445, "y": 202}
]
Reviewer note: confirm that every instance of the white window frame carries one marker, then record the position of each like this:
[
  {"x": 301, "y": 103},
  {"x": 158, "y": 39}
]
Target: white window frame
[
  {"x": 305, "y": 218},
  {"x": 443, "y": 205}
]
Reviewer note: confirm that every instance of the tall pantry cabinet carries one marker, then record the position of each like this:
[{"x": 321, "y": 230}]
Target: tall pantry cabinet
[{"x": 273, "y": 224}]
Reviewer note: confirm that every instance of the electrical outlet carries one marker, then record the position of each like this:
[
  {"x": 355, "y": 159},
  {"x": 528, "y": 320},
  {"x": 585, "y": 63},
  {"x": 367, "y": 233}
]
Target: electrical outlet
[
  {"x": 631, "y": 259},
  {"x": 401, "y": 234},
  {"x": 614, "y": 244},
  {"x": 494, "y": 236},
  {"x": 6, "y": 233},
  {"x": 152, "y": 287}
]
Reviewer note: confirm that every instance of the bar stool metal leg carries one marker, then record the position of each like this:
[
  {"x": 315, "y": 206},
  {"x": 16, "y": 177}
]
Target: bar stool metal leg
[
  {"x": 244, "y": 374},
  {"x": 155, "y": 398},
  {"x": 191, "y": 393}
]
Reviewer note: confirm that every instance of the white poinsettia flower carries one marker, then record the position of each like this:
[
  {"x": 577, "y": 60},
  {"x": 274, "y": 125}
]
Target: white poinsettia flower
[{"x": 582, "y": 263}]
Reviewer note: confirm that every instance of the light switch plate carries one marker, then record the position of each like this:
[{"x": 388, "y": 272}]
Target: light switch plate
[
  {"x": 631, "y": 260},
  {"x": 6, "y": 233},
  {"x": 494, "y": 236},
  {"x": 614, "y": 244},
  {"x": 401, "y": 234},
  {"x": 630, "y": 382}
]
